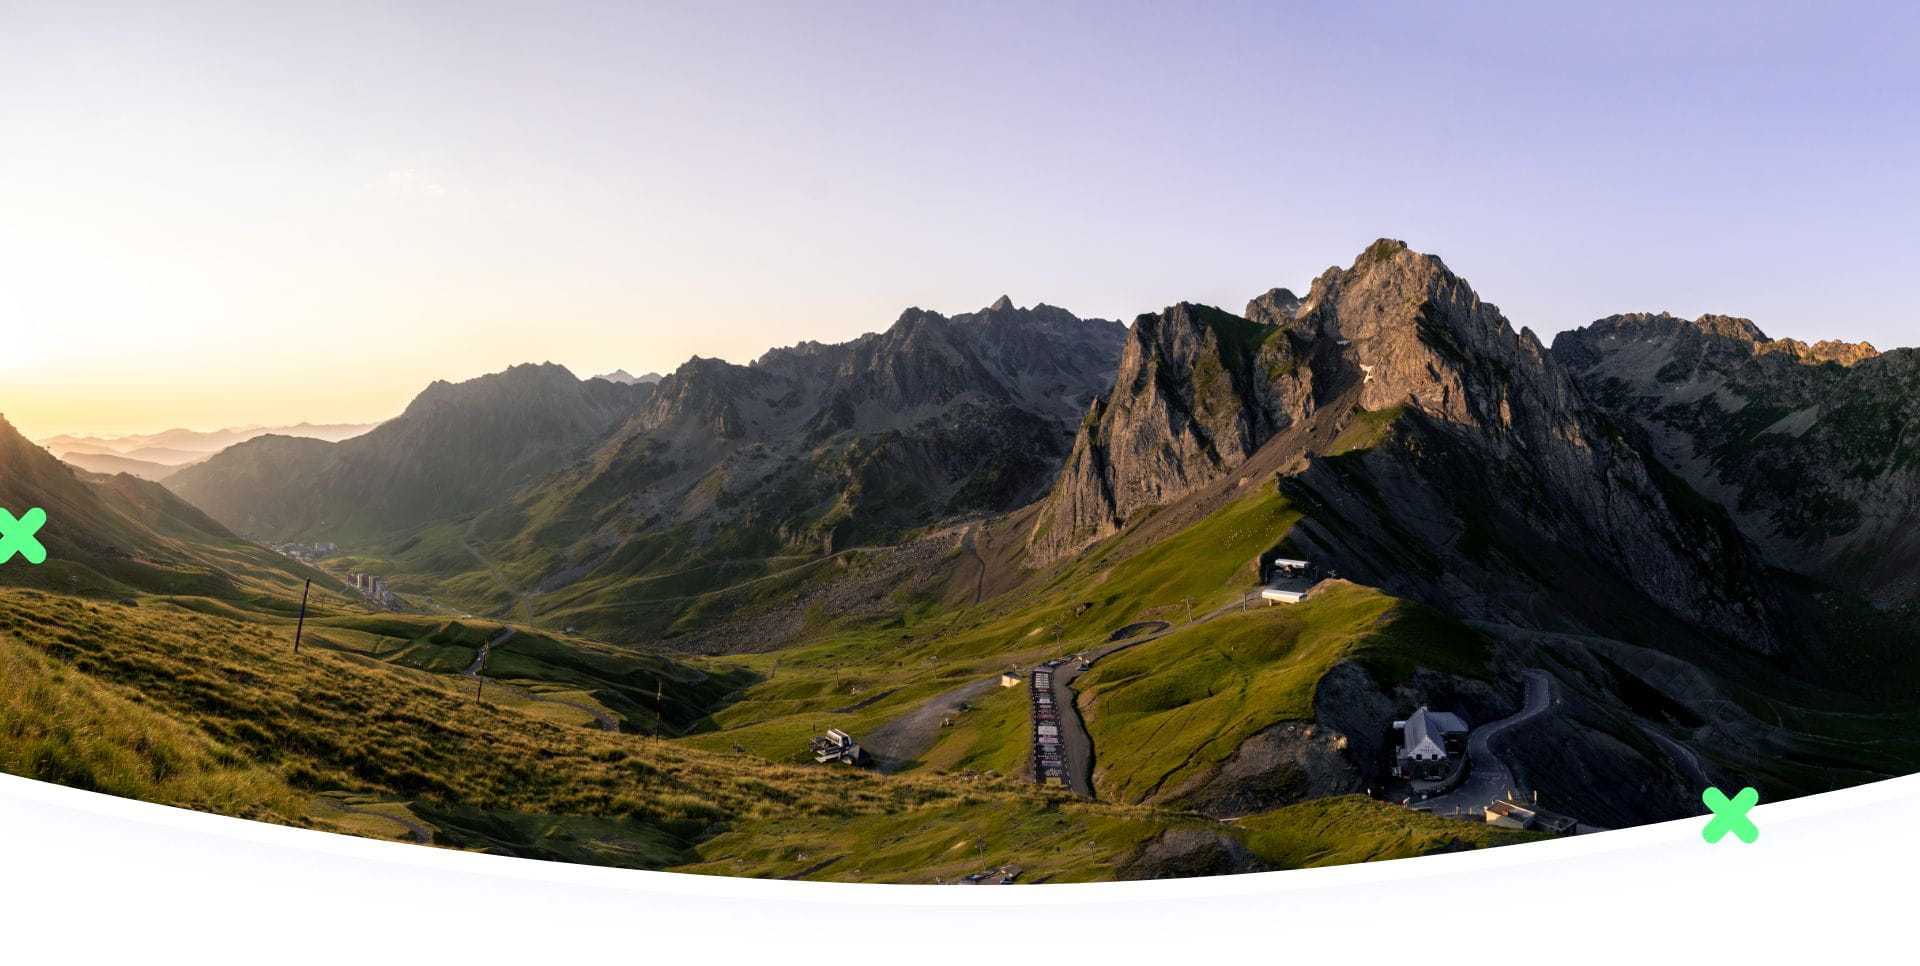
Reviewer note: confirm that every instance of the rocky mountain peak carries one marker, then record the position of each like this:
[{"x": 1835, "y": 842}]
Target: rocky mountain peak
[
  {"x": 1001, "y": 304},
  {"x": 1416, "y": 334},
  {"x": 1826, "y": 350},
  {"x": 1673, "y": 341},
  {"x": 1730, "y": 327},
  {"x": 1476, "y": 407},
  {"x": 1277, "y": 306}
]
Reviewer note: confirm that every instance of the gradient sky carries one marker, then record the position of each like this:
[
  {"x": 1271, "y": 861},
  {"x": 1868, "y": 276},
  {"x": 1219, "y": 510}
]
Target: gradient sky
[{"x": 220, "y": 213}]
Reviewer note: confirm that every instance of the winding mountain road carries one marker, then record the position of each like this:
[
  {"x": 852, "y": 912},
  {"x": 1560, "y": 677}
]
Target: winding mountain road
[
  {"x": 901, "y": 740},
  {"x": 1076, "y": 747},
  {"x": 522, "y": 601},
  {"x": 1488, "y": 777}
]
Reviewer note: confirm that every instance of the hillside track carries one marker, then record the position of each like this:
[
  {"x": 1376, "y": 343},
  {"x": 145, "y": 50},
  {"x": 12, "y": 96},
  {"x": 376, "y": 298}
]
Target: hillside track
[{"x": 473, "y": 671}]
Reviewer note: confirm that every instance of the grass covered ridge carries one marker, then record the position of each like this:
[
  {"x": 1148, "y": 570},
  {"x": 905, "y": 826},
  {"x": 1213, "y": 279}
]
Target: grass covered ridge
[
  {"x": 1354, "y": 828},
  {"x": 1168, "y": 711}
]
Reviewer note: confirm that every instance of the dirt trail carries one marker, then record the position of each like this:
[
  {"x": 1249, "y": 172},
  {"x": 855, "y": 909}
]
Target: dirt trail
[
  {"x": 607, "y": 721},
  {"x": 897, "y": 743},
  {"x": 967, "y": 541},
  {"x": 421, "y": 833},
  {"x": 522, "y": 601}
]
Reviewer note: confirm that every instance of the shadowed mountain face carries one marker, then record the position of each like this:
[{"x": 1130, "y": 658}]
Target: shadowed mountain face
[
  {"x": 1477, "y": 476},
  {"x": 1815, "y": 450},
  {"x": 118, "y": 534},
  {"x": 814, "y": 448},
  {"x": 458, "y": 448}
]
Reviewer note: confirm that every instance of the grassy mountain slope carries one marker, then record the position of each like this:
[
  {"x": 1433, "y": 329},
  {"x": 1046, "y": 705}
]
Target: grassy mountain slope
[
  {"x": 109, "y": 535},
  {"x": 1168, "y": 712},
  {"x": 731, "y": 475},
  {"x": 218, "y": 714}
]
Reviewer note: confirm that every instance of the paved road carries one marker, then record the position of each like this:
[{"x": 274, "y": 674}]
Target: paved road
[
  {"x": 905, "y": 738},
  {"x": 1075, "y": 745},
  {"x": 1488, "y": 777}
]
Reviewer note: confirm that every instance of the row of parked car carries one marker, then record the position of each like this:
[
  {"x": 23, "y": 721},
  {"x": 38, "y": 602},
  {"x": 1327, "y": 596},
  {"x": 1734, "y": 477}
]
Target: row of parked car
[{"x": 1049, "y": 764}]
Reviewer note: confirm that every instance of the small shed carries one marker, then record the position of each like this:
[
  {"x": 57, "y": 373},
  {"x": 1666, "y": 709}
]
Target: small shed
[{"x": 837, "y": 747}]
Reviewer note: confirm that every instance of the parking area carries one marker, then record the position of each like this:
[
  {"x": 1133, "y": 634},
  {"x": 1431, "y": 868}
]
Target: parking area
[{"x": 1049, "y": 764}]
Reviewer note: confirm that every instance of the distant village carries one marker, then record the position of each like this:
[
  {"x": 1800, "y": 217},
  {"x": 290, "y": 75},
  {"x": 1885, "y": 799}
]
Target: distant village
[
  {"x": 373, "y": 589},
  {"x": 305, "y": 552}
]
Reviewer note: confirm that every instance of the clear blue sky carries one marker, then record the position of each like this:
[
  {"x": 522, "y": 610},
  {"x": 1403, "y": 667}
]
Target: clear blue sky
[{"x": 225, "y": 213}]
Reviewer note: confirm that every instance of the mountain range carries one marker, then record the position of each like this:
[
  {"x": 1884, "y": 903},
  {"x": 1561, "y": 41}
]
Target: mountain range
[
  {"x": 156, "y": 456},
  {"x": 1698, "y": 540}
]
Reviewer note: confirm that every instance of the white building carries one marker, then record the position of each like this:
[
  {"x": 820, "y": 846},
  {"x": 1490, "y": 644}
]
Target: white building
[
  {"x": 1429, "y": 743},
  {"x": 1287, "y": 581}
]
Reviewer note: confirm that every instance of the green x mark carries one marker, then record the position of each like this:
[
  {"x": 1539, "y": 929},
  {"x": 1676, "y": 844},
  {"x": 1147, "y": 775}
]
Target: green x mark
[
  {"x": 16, "y": 536},
  {"x": 1730, "y": 815}
]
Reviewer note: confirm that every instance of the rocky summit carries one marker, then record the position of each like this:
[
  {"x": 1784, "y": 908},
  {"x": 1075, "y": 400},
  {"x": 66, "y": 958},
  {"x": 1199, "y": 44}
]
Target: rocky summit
[{"x": 1464, "y": 406}]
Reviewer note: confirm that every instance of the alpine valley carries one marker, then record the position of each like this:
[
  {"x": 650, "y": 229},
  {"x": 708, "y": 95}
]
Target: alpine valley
[{"x": 612, "y": 620}]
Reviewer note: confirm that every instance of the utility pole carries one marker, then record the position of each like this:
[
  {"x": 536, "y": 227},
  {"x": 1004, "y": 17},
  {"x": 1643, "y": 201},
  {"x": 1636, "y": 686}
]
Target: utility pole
[
  {"x": 301, "y": 625},
  {"x": 656, "y": 706},
  {"x": 1189, "y": 608}
]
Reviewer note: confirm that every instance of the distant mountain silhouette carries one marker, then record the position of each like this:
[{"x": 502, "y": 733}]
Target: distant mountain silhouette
[{"x": 457, "y": 448}]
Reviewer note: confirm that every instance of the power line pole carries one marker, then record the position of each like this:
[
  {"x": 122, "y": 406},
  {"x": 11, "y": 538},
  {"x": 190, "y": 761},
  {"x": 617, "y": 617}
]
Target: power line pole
[{"x": 301, "y": 625}]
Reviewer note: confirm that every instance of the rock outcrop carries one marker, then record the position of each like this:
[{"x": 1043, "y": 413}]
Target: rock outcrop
[
  {"x": 1814, "y": 449},
  {"x": 1464, "y": 406},
  {"x": 1197, "y": 392},
  {"x": 815, "y": 448}
]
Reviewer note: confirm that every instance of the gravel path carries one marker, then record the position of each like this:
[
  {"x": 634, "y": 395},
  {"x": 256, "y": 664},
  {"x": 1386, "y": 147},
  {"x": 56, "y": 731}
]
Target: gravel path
[
  {"x": 897, "y": 743},
  {"x": 421, "y": 833}
]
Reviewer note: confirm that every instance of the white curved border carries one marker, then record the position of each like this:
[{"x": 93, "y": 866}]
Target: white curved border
[{"x": 1829, "y": 871}]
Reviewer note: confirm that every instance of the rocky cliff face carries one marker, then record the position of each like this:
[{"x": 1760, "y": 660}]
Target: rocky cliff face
[
  {"x": 1814, "y": 449},
  {"x": 1198, "y": 391},
  {"x": 818, "y": 447},
  {"x": 1461, "y": 405}
]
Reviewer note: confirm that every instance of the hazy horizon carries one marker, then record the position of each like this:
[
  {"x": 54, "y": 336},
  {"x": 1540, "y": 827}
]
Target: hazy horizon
[{"x": 233, "y": 215}]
